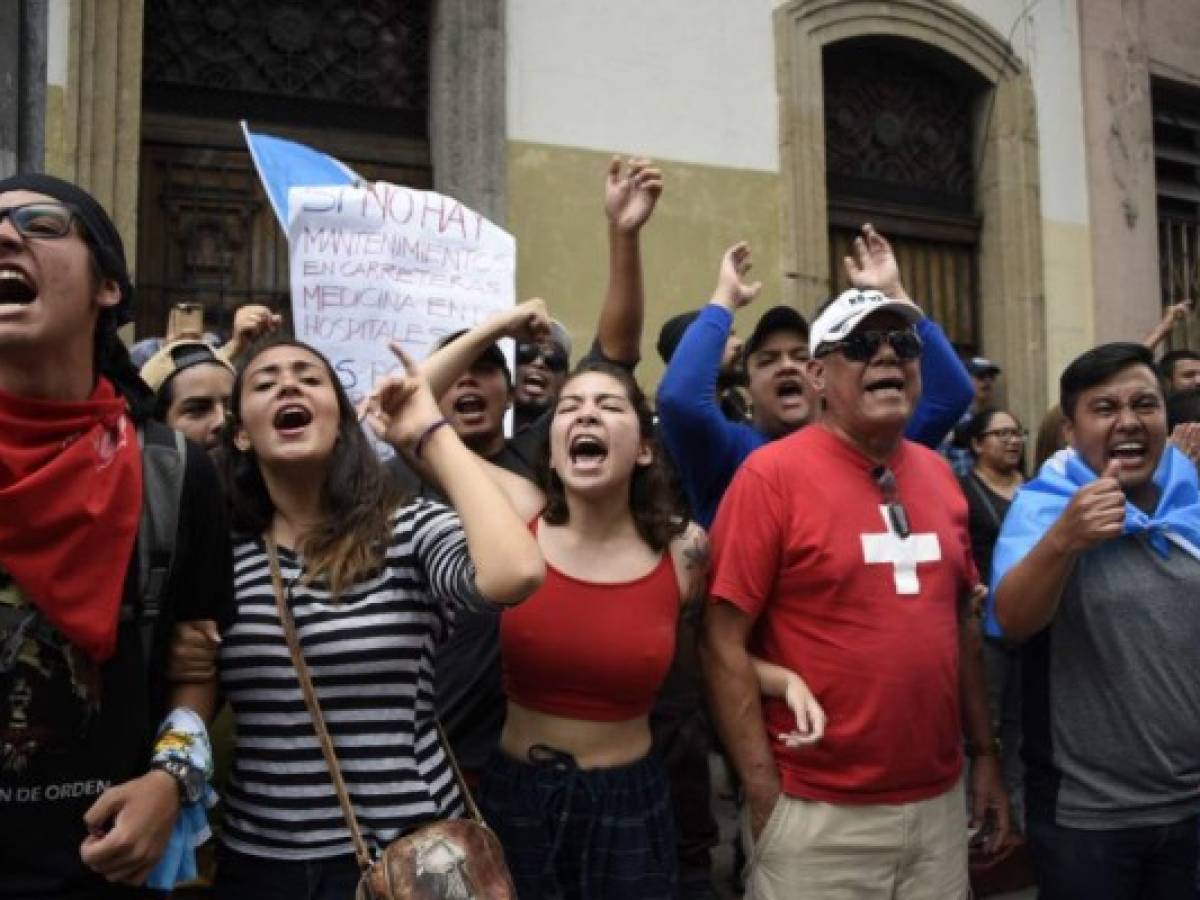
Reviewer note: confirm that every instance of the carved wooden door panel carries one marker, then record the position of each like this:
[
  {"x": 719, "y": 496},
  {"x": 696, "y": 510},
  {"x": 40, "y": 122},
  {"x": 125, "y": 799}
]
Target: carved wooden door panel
[
  {"x": 899, "y": 125},
  {"x": 207, "y": 233},
  {"x": 348, "y": 77}
]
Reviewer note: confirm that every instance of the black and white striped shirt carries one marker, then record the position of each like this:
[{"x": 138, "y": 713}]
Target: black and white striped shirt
[{"x": 370, "y": 653}]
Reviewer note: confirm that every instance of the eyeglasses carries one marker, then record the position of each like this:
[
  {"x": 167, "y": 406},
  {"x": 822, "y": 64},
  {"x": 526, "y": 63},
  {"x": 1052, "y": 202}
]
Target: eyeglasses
[
  {"x": 885, "y": 480},
  {"x": 39, "y": 220},
  {"x": 1007, "y": 434},
  {"x": 552, "y": 356},
  {"x": 863, "y": 345}
]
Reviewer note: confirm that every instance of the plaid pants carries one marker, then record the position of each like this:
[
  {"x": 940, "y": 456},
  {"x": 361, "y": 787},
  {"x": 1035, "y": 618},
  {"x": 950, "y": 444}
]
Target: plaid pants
[{"x": 574, "y": 834}]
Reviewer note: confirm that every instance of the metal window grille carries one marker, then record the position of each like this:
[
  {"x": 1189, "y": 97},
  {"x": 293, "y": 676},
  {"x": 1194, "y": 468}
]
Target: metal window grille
[{"x": 1177, "y": 184}]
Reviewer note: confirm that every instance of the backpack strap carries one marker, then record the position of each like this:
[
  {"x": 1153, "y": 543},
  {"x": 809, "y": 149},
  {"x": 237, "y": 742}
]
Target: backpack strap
[{"x": 164, "y": 462}]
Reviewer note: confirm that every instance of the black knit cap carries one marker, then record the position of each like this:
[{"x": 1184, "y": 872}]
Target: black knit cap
[{"x": 101, "y": 234}]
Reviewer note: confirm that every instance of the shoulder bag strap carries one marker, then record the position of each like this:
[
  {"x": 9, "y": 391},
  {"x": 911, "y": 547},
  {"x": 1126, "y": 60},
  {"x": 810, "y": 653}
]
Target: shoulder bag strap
[
  {"x": 361, "y": 852},
  {"x": 468, "y": 800}
]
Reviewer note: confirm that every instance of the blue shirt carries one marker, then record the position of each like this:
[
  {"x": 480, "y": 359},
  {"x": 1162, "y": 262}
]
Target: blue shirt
[{"x": 707, "y": 448}]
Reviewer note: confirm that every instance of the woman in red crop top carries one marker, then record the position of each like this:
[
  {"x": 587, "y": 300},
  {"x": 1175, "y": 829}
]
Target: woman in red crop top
[{"x": 574, "y": 792}]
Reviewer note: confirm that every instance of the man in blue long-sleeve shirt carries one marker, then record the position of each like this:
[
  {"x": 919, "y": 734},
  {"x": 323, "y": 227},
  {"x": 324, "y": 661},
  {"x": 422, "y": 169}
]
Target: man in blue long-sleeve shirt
[{"x": 707, "y": 448}]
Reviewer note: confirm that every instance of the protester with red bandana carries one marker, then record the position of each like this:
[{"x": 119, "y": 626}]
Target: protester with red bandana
[{"x": 79, "y": 695}]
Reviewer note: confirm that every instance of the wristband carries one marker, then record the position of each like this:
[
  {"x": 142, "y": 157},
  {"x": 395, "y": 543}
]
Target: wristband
[
  {"x": 426, "y": 435},
  {"x": 182, "y": 738},
  {"x": 182, "y": 750}
]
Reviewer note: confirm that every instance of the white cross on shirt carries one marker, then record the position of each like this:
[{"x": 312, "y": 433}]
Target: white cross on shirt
[{"x": 902, "y": 553}]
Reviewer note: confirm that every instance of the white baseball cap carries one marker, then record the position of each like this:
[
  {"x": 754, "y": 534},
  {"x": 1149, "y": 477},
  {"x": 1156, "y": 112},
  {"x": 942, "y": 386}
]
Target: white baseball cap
[{"x": 839, "y": 319}]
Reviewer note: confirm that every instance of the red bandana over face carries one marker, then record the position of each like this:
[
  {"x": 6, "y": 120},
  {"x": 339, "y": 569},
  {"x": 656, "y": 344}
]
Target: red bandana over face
[{"x": 70, "y": 501}]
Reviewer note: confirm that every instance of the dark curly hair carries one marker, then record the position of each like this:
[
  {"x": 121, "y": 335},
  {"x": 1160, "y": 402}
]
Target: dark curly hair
[
  {"x": 357, "y": 498},
  {"x": 656, "y": 515}
]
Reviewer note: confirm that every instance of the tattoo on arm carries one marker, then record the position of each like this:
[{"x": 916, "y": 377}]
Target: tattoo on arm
[
  {"x": 696, "y": 560},
  {"x": 697, "y": 555}
]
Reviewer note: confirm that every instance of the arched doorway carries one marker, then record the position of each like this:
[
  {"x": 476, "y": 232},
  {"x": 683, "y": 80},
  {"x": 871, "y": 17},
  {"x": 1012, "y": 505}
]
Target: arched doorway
[{"x": 1009, "y": 319}]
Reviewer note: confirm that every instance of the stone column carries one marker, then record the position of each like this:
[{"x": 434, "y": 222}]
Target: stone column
[
  {"x": 805, "y": 254},
  {"x": 467, "y": 104},
  {"x": 22, "y": 86},
  {"x": 1011, "y": 292},
  {"x": 93, "y": 121}
]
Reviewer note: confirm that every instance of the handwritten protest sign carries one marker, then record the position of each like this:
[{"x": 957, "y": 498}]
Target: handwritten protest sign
[{"x": 384, "y": 263}]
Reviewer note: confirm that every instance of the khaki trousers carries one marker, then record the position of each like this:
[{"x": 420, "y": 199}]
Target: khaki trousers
[{"x": 829, "y": 851}]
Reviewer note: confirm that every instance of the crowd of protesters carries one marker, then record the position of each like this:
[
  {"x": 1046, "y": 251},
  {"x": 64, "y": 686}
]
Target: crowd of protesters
[{"x": 822, "y": 551}]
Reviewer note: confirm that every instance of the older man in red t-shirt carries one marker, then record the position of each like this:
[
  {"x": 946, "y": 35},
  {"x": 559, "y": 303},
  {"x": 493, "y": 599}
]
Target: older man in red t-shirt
[{"x": 841, "y": 553}]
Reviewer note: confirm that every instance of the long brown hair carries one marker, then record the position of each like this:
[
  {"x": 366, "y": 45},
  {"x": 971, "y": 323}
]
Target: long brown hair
[
  {"x": 357, "y": 497},
  {"x": 651, "y": 501}
]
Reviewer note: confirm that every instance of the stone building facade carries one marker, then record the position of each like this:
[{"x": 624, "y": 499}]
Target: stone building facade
[{"x": 1038, "y": 163}]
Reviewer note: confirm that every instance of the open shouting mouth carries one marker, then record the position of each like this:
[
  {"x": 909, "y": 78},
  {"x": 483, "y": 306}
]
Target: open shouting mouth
[
  {"x": 291, "y": 419},
  {"x": 16, "y": 286},
  {"x": 587, "y": 452}
]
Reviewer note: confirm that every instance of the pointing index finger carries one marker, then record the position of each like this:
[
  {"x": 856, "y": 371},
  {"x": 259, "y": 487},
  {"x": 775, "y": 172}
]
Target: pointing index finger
[{"x": 410, "y": 365}]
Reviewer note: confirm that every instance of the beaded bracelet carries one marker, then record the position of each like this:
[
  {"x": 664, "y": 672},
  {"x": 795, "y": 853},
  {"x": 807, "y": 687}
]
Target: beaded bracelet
[{"x": 426, "y": 435}]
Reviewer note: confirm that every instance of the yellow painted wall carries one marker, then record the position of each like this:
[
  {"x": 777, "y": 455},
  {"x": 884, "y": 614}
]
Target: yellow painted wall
[
  {"x": 556, "y": 212},
  {"x": 1070, "y": 320}
]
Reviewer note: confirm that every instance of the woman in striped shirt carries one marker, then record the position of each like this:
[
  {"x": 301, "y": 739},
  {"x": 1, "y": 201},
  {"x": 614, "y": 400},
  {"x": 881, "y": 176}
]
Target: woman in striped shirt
[{"x": 373, "y": 584}]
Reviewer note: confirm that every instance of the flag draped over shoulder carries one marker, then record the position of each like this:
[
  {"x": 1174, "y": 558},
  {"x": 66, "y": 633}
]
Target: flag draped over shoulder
[
  {"x": 1038, "y": 504},
  {"x": 283, "y": 165}
]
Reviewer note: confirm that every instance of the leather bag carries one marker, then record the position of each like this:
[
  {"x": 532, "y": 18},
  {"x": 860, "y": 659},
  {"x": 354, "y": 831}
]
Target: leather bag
[{"x": 452, "y": 859}]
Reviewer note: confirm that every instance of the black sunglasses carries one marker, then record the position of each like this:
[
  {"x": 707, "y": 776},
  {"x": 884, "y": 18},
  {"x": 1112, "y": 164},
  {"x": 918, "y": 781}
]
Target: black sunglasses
[
  {"x": 552, "y": 356},
  {"x": 863, "y": 345},
  {"x": 39, "y": 220},
  {"x": 885, "y": 479}
]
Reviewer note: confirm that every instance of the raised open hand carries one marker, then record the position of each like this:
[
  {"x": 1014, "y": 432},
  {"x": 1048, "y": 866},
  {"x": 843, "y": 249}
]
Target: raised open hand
[
  {"x": 873, "y": 265},
  {"x": 732, "y": 290},
  {"x": 630, "y": 192}
]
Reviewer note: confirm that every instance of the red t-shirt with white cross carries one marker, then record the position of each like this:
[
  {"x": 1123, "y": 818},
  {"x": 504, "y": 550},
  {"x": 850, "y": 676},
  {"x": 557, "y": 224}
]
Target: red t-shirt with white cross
[{"x": 803, "y": 544}]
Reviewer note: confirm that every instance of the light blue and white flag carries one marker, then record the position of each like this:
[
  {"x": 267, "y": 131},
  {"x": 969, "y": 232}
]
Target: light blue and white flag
[
  {"x": 1037, "y": 506},
  {"x": 283, "y": 165}
]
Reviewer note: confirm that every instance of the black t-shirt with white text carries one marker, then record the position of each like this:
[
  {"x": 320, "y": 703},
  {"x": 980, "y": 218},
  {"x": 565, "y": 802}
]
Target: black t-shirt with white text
[{"x": 70, "y": 729}]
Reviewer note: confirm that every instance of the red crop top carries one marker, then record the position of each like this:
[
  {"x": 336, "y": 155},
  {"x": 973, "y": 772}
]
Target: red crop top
[{"x": 597, "y": 652}]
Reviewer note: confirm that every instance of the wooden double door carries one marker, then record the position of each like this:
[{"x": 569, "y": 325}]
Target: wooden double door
[{"x": 207, "y": 233}]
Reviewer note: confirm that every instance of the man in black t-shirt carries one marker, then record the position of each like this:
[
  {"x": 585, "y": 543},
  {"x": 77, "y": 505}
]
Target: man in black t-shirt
[{"x": 80, "y": 814}]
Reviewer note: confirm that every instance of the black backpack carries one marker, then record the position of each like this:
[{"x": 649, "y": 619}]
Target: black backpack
[{"x": 164, "y": 462}]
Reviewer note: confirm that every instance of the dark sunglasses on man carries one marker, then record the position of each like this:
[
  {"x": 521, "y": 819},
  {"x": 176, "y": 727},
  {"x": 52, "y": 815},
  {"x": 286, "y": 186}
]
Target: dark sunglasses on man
[
  {"x": 861, "y": 346},
  {"x": 39, "y": 220},
  {"x": 552, "y": 356}
]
